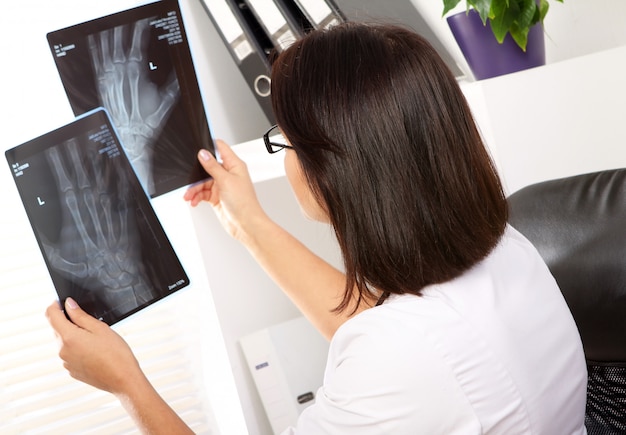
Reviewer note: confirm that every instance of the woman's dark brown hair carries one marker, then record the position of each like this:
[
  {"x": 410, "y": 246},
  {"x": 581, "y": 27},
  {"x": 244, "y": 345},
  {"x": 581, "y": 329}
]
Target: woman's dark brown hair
[{"x": 389, "y": 147}]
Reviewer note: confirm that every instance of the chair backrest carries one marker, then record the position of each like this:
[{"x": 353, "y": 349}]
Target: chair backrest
[{"x": 578, "y": 225}]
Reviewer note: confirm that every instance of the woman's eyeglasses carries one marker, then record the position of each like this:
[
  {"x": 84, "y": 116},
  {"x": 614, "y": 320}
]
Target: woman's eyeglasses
[{"x": 274, "y": 147}]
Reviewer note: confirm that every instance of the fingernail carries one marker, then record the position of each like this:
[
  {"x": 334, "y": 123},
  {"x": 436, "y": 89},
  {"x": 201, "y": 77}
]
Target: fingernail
[
  {"x": 204, "y": 155},
  {"x": 71, "y": 303}
]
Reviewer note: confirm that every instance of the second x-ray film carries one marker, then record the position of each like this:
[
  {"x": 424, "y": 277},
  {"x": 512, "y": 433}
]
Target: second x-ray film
[
  {"x": 137, "y": 64},
  {"x": 100, "y": 238}
]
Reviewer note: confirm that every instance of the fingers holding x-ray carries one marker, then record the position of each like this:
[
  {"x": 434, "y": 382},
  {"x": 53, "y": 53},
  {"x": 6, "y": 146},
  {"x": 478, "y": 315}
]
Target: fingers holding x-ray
[
  {"x": 94, "y": 248},
  {"x": 138, "y": 107}
]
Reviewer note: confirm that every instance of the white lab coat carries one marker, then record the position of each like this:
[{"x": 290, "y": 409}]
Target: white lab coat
[{"x": 495, "y": 351}]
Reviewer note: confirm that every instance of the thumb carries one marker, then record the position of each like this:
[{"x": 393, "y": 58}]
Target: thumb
[
  {"x": 210, "y": 163},
  {"x": 79, "y": 317}
]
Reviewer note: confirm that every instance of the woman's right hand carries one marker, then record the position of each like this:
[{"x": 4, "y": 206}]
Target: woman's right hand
[
  {"x": 230, "y": 191},
  {"x": 314, "y": 285},
  {"x": 92, "y": 352}
]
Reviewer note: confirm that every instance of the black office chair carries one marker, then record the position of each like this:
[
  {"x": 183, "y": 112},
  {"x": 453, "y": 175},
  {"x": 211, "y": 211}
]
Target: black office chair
[{"x": 578, "y": 225}]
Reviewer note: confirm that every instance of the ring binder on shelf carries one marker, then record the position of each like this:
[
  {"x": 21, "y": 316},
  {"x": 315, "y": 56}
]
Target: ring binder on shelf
[
  {"x": 280, "y": 26},
  {"x": 248, "y": 44},
  {"x": 252, "y": 29},
  {"x": 320, "y": 13}
]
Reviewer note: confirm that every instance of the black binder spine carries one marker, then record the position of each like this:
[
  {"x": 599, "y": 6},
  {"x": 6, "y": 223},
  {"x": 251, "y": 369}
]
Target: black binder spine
[
  {"x": 248, "y": 44},
  {"x": 278, "y": 24},
  {"x": 320, "y": 14},
  {"x": 253, "y": 29}
]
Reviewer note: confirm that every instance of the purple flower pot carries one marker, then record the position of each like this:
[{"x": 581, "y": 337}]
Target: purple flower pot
[{"x": 485, "y": 56}]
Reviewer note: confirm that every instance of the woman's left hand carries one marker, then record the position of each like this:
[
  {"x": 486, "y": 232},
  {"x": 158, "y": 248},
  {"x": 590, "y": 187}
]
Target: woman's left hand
[{"x": 92, "y": 352}]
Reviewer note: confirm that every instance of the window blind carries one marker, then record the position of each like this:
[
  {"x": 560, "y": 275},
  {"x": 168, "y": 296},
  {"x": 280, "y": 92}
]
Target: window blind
[{"x": 37, "y": 395}]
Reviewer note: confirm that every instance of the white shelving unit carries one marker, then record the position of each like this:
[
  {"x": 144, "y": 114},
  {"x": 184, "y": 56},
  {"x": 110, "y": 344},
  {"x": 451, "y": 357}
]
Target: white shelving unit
[{"x": 561, "y": 119}]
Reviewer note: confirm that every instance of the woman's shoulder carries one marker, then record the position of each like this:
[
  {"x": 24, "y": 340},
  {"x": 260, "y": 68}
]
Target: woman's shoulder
[
  {"x": 483, "y": 335},
  {"x": 512, "y": 274},
  {"x": 402, "y": 322}
]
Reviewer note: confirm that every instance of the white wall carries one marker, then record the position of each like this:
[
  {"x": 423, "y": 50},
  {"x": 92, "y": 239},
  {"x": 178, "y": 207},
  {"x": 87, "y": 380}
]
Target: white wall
[{"x": 579, "y": 27}]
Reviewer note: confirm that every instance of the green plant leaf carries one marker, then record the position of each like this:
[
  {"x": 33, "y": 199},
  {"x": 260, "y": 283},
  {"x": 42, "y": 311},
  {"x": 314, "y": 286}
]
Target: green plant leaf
[
  {"x": 526, "y": 14},
  {"x": 483, "y": 7},
  {"x": 520, "y": 35},
  {"x": 504, "y": 13},
  {"x": 448, "y": 5}
]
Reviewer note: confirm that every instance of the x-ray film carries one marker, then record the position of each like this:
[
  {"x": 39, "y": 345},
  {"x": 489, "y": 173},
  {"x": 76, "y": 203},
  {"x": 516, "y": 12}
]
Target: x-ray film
[
  {"x": 137, "y": 65},
  {"x": 100, "y": 238}
]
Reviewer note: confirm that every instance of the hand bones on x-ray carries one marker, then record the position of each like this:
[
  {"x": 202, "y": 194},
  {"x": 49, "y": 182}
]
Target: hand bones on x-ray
[
  {"x": 138, "y": 108},
  {"x": 96, "y": 247}
]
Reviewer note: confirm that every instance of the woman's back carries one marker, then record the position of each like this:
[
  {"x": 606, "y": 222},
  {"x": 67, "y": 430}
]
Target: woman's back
[{"x": 493, "y": 351}]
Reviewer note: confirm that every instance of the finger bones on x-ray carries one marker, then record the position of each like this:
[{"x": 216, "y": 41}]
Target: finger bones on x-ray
[
  {"x": 96, "y": 247},
  {"x": 138, "y": 108}
]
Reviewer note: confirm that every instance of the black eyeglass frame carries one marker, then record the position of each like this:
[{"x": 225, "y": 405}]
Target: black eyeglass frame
[{"x": 269, "y": 144}]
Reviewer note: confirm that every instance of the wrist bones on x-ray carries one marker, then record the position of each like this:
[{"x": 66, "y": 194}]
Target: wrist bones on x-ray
[
  {"x": 96, "y": 247},
  {"x": 138, "y": 108}
]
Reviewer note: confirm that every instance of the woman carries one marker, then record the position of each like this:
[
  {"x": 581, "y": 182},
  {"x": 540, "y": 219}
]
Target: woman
[{"x": 445, "y": 319}]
